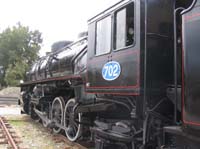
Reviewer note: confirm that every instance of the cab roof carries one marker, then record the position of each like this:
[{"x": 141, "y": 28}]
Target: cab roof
[{"x": 109, "y": 10}]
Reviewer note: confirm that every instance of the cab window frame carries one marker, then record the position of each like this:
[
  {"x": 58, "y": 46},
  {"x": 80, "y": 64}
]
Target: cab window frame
[
  {"x": 114, "y": 27},
  {"x": 111, "y": 34},
  {"x": 112, "y": 16}
]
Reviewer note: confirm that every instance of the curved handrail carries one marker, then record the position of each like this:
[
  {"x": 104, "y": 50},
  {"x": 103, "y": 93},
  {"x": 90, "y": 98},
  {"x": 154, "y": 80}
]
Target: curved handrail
[{"x": 189, "y": 8}]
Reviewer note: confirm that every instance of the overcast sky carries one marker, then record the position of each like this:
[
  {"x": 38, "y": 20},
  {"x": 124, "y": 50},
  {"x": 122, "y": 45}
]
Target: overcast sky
[{"x": 56, "y": 19}]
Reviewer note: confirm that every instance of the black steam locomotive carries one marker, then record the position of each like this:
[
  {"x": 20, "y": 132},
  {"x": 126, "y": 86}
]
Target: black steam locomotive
[{"x": 133, "y": 82}]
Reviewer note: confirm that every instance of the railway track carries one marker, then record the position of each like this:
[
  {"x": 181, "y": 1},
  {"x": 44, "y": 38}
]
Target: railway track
[
  {"x": 7, "y": 136},
  {"x": 8, "y": 100}
]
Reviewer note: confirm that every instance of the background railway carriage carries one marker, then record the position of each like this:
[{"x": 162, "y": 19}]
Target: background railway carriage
[{"x": 133, "y": 82}]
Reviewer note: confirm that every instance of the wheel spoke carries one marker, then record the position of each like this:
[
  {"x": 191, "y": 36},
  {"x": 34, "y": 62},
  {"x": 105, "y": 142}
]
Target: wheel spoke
[
  {"x": 73, "y": 131},
  {"x": 74, "y": 123}
]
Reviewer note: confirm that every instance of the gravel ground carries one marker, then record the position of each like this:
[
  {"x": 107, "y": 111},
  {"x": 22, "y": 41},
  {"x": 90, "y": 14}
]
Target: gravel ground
[
  {"x": 34, "y": 135},
  {"x": 10, "y": 92},
  {"x": 10, "y": 110}
]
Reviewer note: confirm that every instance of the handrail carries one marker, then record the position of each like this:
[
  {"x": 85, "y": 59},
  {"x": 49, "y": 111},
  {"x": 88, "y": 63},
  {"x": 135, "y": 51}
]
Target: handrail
[{"x": 189, "y": 8}]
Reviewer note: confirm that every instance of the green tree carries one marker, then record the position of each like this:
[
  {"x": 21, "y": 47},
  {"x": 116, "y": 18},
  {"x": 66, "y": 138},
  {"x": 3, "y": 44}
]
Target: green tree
[{"x": 19, "y": 47}]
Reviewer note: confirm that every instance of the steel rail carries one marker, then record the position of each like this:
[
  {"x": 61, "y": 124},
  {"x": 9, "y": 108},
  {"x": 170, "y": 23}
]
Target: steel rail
[{"x": 8, "y": 135}]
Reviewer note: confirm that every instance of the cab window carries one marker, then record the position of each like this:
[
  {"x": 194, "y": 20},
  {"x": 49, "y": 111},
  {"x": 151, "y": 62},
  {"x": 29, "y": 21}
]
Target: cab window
[
  {"x": 103, "y": 36},
  {"x": 124, "y": 27}
]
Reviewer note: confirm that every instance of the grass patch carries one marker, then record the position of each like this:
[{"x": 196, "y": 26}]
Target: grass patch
[{"x": 16, "y": 123}]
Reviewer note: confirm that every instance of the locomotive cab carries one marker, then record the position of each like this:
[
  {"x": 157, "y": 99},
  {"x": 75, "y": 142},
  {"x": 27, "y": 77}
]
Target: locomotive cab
[
  {"x": 113, "y": 44},
  {"x": 127, "y": 56}
]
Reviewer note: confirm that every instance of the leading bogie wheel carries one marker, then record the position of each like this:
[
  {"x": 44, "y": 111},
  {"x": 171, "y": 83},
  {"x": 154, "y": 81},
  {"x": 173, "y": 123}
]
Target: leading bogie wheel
[{"x": 71, "y": 121}]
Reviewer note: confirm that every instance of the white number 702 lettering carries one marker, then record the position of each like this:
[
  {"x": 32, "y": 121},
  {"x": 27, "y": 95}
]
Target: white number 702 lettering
[{"x": 111, "y": 70}]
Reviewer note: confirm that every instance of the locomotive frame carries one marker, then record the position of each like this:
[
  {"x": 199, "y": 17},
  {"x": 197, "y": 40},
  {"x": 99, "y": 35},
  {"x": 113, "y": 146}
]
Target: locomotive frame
[{"x": 127, "y": 84}]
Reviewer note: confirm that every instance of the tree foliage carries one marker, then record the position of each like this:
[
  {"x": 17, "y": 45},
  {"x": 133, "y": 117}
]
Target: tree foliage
[{"x": 19, "y": 47}]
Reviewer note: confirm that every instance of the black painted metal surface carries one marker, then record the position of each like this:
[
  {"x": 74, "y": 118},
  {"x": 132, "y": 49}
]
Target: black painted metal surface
[
  {"x": 191, "y": 66},
  {"x": 61, "y": 63}
]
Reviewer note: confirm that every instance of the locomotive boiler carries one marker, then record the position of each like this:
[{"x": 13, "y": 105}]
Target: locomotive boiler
[{"x": 132, "y": 82}]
